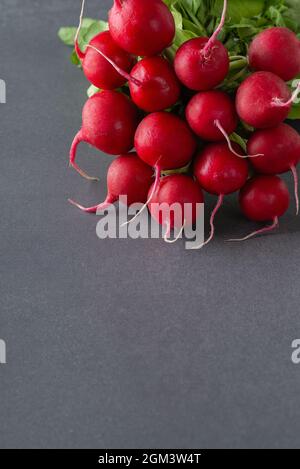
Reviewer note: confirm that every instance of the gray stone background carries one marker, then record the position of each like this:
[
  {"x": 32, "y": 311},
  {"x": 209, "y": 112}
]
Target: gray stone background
[{"x": 123, "y": 343}]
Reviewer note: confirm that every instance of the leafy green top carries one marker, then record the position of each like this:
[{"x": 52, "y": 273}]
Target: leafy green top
[{"x": 193, "y": 18}]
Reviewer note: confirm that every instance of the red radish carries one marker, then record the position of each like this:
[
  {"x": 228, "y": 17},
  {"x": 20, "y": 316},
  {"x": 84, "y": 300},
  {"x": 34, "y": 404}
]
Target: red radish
[
  {"x": 127, "y": 176},
  {"x": 175, "y": 189},
  {"x": 263, "y": 100},
  {"x": 220, "y": 172},
  {"x": 276, "y": 50},
  {"x": 142, "y": 28},
  {"x": 156, "y": 86},
  {"x": 164, "y": 141},
  {"x": 212, "y": 116},
  {"x": 281, "y": 152},
  {"x": 109, "y": 121},
  {"x": 152, "y": 82},
  {"x": 97, "y": 69},
  {"x": 264, "y": 198},
  {"x": 202, "y": 63},
  {"x": 205, "y": 109},
  {"x": 96, "y": 66}
]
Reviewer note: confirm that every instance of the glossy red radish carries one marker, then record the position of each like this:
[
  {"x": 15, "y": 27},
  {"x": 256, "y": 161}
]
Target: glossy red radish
[
  {"x": 280, "y": 147},
  {"x": 155, "y": 86},
  {"x": 143, "y": 28},
  {"x": 276, "y": 50},
  {"x": 127, "y": 176},
  {"x": 177, "y": 189},
  {"x": 203, "y": 63},
  {"x": 212, "y": 116},
  {"x": 164, "y": 142},
  {"x": 152, "y": 82},
  {"x": 220, "y": 172},
  {"x": 96, "y": 67},
  {"x": 264, "y": 198},
  {"x": 264, "y": 100},
  {"x": 109, "y": 121}
]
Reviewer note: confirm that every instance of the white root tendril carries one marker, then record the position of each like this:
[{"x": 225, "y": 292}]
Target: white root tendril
[
  {"x": 296, "y": 187},
  {"x": 80, "y": 21},
  {"x": 272, "y": 227},
  {"x": 226, "y": 136},
  {"x": 212, "y": 223},
  {"x": 168, "y": 232},
  {"x": 157, "y": 179},
  {"x": 277, "y": 102},
  {"x": 215, "y": 35}
]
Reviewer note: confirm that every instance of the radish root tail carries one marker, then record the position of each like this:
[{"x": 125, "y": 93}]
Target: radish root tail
[
  {"x": 226, "y": 136},
  {"x": 109, "y": 201},
  {"x": 77, "y": 140},
  {"x": 279, "y": 103},
  {"x": 79, "y": 52},
  {"x": 296, "y": 187},
  {"x": 168, "y": 232},
  {"x": 212, "y": 222},
  {"x": 155, "y": 186},
  {"x": 267, "y": 229},
  {"x": 206, "y": 49}
]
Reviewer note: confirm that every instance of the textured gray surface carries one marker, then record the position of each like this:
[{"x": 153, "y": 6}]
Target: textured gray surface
[{"x": 126, "y": 343}]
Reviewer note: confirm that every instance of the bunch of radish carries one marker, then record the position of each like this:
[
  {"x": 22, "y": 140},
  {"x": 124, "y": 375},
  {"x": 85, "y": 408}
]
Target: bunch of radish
[{"x": 176, "y": 114}]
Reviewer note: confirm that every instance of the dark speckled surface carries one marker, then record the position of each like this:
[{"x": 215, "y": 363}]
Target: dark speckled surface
[{"x": 123, "y": 343}]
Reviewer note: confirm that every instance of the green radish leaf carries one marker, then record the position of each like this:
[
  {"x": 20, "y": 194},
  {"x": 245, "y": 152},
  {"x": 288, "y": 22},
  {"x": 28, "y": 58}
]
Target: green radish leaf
[
  {"x": 239, "y": 140},
  {"x": 92, "y": 90},
  {"x": 95, "y": 28},
  {"x": 238, "y": 9},
  {"x": 295, "y": 112},
  {"x": 74, "y": 59},
  {"x": 67, "y": 35}
]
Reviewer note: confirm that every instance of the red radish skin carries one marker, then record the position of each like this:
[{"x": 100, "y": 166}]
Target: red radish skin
[
  {"x": 205, "y": 108},
  {"x": 153, "y": 83},
  {"x": 159, "y": 87},
  {"x": 127, "y": 176},
  {"x": 263, "y": 100},
  {"x": 176, "y": 189},
  {"x": 163, "y": 139},
  {"x": 264, "y": 198},
  {"x": 281, "y": 152},
  {"x": 143, "y": 28},
  {"x": 109, "y": 121},
  {"x": 220, "y": 172},
  {"x": 197, "y": 72},
  {"x": 212, "y": 116},
  {"x": 202, "y": 63},
  {"x": 97, "y": 69},
  {"x": 276, "y": 50},
  {"x": 165, "y": 142}
]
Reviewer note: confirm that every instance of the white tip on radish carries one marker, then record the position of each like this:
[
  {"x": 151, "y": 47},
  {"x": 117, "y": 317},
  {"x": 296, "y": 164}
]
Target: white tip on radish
[
  {"x": 168, "y": 232},
  {"x": 212, "y": 223},
  {"x": 215, "y": 35},
  {"x": 226, "y": 136},
  {"x": 80, "y": 21},
  {"x": 155, "y": 186},
  {"x": 267, "y": 229},
  {"x": 109, "y": 201},
  {"x": 279, "y": 103},
  {"x": 296, "y": 187}
]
